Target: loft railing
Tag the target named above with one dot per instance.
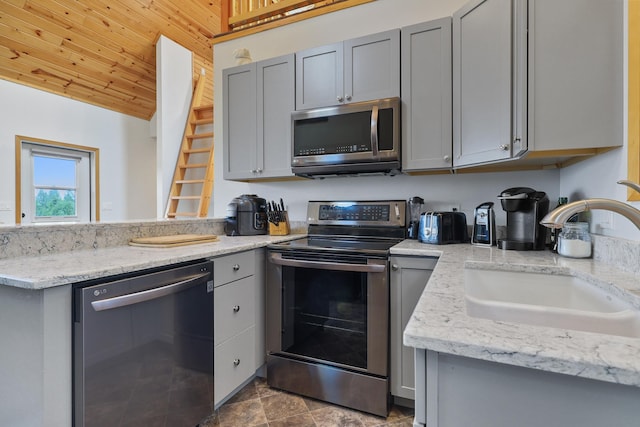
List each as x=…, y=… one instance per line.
x=241, y=14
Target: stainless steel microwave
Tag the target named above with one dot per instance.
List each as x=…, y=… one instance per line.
x=350, y=139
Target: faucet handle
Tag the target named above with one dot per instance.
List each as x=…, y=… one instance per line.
x=630, y=184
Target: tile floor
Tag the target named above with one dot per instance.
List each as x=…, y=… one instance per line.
x=258, y=405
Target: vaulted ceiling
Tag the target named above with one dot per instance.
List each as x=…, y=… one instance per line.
x=101, y=51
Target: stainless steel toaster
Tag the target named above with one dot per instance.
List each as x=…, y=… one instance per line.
x=441, y=228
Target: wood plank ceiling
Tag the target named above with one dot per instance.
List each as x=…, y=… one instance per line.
x=102, y=51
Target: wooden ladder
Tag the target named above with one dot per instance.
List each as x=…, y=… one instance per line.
x=194, y=168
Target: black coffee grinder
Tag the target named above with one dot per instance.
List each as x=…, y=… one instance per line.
x=525, y=208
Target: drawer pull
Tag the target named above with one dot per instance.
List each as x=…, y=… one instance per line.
x=236, y=308
x=236, y=362
x=236, y=267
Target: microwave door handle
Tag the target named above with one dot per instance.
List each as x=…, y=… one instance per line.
x=374, y=132
x=277, y=259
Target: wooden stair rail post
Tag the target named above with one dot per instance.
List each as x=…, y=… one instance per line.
x=194, y=119
x=225, y=13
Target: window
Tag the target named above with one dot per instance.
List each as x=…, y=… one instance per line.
x=55, y=182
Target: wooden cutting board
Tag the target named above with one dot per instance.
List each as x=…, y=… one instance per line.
x=173, y=241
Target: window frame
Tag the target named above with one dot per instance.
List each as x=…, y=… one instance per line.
x=633, y=100
x=94, y=171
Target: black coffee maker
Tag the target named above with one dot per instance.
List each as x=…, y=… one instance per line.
x=525, y=208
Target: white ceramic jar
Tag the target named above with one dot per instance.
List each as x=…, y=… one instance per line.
x=574, y=241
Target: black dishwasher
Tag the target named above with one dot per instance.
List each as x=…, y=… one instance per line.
x=143, y=348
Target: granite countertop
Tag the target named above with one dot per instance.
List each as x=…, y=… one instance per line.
x=45, y=271
x=440, y=322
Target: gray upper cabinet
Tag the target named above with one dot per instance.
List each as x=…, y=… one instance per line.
x=551, y=94
x=276, y=100
x=258, y=101
x=488, y=85
x=576, y=74
x=239, y=115
x=355, y=70
x=426, y=96
x=319, y=76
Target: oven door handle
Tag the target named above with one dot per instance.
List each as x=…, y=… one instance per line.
x=148, y=295
x=276, y=258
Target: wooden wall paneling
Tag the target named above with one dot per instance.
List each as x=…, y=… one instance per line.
x=82, y=40
x=69, y=61
x=200, y=62
x=178, y=27
x=44, y=80
x=46, y=44
x=78, y=20
x=73, y=92
x=104, y=27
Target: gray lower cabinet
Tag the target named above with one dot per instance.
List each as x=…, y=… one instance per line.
x=537, y=77
x=258, y=100
x=36, y=368
x=354, y=70
x=409, y=276
x=238, y=321
x=426, y=96
x=454, y=391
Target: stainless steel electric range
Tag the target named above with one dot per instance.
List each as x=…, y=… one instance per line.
x=328, y=304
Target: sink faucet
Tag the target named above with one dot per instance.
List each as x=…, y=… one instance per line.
x=557, y=217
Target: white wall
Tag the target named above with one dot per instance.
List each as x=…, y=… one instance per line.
x=174, y=89
x=127, y=154
x=468, y=190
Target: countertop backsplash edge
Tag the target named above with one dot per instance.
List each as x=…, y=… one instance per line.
x=48, y=239
x=616, y=252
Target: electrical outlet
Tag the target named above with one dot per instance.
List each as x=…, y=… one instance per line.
x=606, y=220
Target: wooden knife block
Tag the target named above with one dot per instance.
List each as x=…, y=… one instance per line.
x=282, y=229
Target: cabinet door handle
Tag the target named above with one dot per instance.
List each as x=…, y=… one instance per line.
x=394, y=267
x=348, y=97
x=236, y=308
x=259, y=170
x=236, y=362
x=447, y=158
x=236, y=267
x=339, y=98
x=504, y=147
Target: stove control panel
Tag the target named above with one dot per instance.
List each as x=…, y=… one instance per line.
x=354, y=213
x=386, y=213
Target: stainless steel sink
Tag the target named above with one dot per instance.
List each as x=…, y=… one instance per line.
x=559, y=301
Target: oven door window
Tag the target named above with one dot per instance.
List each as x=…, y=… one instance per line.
x=324, y=315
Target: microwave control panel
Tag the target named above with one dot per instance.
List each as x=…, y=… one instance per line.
x=339, y=149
